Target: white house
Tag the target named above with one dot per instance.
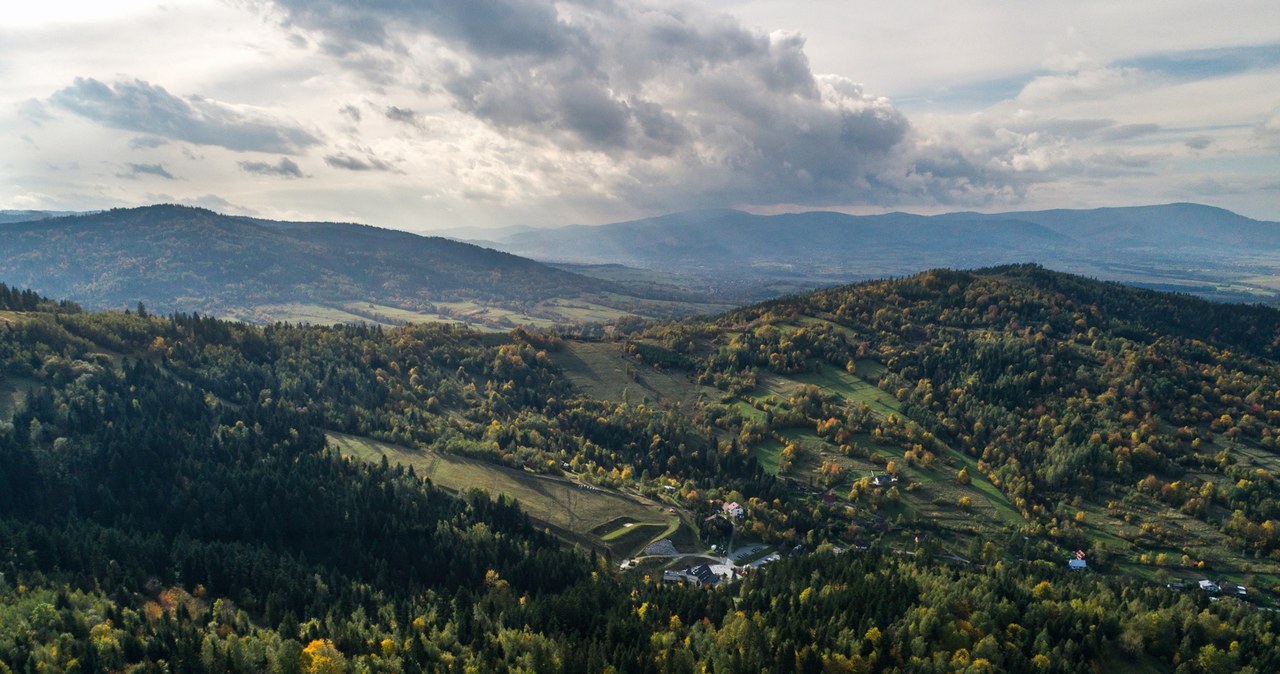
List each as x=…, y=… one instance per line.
x=733, y=509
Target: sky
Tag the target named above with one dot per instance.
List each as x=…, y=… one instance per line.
x=431, y=115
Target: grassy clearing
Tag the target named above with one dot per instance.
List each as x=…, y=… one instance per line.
x=818, y=320
x=614, y=524
x=297, y=312
x=748, y=412
x=626, y=541
x=387, y=315
x=554, y=501
x=492, y=316
x=13, y=392
x=852, y=388
x=979, y=483
x=600, y=370
x=769, y=454
x=868, y=369
x=664, y=307
x=1248, y=455
x=943, y=492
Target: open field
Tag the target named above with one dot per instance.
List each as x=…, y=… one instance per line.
x=554, y=501
x=582, y=311
x=601, y=370
x=769, y=453
x=296, y=312
x=853, y=388
x=478, y=315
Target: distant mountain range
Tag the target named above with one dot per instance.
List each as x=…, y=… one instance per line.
x=178, y=258
x=24, y=216
x=192, y=259
x=1189, y=247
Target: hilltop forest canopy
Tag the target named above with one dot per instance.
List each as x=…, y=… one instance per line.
x=168, y=501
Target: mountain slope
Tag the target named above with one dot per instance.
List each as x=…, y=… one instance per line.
x=181, y=258
x=1138, y=426
x=193, y=516
x=1168, y=227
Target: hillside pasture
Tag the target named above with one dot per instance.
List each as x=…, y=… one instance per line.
x=297, y=312
x=601, y=370
x=554, y=501
x=852, y=388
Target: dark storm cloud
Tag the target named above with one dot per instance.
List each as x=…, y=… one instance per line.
x=137, y=170
x=285, y=168
x=492, y=28
x=146, y=108
x=684, y=100
x=349, y=163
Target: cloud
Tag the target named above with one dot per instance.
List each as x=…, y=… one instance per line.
x=137, y=170
x=1082, y=85
x=146, y=143
x=492, y=28
x=286, y=168
x=1128, y=131
x=140, y=106
x=347, y=162
x=350, y=111
x=1269, y=129
x=1199, y=142
x=676, y=95
x=403, y=115
x=34, y=111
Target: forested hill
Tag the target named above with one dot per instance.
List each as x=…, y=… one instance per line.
x=176, y=258
x=174, y=496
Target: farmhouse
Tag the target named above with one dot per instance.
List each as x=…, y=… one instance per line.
x=733, y=509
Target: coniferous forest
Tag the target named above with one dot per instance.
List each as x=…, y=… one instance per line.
x=171, y=500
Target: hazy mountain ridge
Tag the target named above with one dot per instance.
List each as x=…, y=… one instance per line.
x=183, y=258
x=7, y=216
x=1191, y=247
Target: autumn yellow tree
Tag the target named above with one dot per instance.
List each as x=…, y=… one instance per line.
x=322, y=657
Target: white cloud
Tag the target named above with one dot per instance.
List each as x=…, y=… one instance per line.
x=147, y=108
